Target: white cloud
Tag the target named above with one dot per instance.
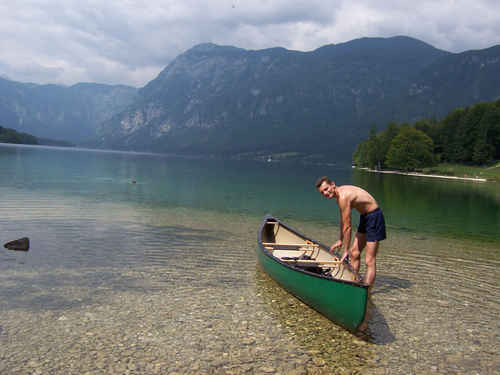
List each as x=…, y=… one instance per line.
x=131, y=41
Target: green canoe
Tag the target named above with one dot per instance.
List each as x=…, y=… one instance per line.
x=307, y=269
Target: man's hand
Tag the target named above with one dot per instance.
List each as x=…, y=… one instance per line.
x=336, y=245
x=346, y=253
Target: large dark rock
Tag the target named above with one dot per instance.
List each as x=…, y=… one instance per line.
x=22, y=244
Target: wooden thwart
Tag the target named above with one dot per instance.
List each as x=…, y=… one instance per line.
x=290, y=244
x=309, y=261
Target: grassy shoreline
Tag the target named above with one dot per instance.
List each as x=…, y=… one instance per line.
x=490, y=173
x=453, y=171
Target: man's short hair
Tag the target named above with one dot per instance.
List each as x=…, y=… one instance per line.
x=320, y=180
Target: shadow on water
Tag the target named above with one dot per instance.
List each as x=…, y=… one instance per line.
x=378, y=331
x=306, y=323
x=386, y=284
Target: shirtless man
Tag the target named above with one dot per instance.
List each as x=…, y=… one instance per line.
x=371, y=227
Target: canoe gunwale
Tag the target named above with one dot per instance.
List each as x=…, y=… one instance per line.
x=290, y=265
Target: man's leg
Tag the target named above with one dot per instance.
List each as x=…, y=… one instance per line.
x=356, y=249
x=371, y=265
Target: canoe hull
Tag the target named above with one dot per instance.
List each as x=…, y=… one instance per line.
x=341, y=301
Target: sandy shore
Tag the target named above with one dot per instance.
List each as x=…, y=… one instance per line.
x=415, y=174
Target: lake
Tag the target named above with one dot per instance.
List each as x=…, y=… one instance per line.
x=146, y=264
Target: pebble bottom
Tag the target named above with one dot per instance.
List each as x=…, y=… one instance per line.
x=214, y=311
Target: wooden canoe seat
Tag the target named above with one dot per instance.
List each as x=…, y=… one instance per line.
x=312, y=261
x=277, y=244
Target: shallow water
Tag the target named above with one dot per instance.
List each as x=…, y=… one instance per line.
x=118, y=280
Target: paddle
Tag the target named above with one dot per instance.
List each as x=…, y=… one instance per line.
x=22, y=244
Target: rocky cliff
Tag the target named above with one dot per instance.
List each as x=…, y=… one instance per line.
x=219, y=99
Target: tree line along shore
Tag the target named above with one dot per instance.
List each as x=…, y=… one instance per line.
x=8, y=135
x=12, y=136
x=466, y=144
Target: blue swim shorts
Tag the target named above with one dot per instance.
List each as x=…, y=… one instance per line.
x=373, y=224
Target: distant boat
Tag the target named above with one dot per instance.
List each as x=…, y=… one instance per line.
x=309, y=271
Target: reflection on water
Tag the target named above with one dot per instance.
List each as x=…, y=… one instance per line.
x=452, y=208
x=161, y=276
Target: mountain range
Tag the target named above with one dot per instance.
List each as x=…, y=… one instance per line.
x=225, y=100
x=59, y=112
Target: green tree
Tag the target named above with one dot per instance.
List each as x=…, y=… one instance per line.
x=430, y=128
x=374, y=155
x=411, y=149
x=386, y=138
x=487, y=139
x=368, y=152
x=470, y=136
x=491, y=121
x=11, y=136
x=447, y=140
x=357, y=156
x=360, y=156
x=483, y=152
x=468, y=132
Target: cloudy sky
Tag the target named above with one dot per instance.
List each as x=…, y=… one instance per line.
x=131, y=41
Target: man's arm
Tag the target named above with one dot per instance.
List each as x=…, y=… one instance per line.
x=345, y=227
x=338, y=244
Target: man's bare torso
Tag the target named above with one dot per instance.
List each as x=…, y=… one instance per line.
x=357, y=198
